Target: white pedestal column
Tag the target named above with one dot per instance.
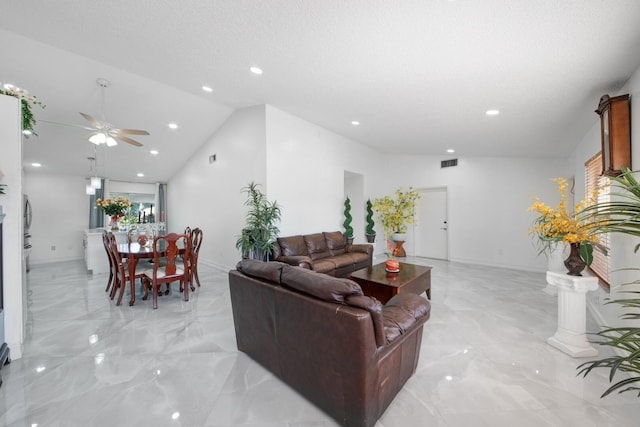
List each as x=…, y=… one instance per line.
x=572, y=313
x=555, y=261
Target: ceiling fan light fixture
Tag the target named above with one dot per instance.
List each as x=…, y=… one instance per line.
x=98, y=138
x=111, y=142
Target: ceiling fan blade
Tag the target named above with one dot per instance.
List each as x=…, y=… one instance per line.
x=96, y=124
x=131, y=131
x=65, y=124
x=127, y=139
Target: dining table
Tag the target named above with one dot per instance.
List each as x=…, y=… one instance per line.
x=134, y=252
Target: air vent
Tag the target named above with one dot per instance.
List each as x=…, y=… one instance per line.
x=449, y=163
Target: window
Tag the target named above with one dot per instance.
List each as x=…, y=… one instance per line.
x=142, y=207
x=594, y=180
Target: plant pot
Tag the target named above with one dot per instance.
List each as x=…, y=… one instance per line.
x=574, y=263
x=349, y=240
x=371, y=238
x=399, y=237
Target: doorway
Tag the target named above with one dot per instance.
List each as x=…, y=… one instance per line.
x=431, y=227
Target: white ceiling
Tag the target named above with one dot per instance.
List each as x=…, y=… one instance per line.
x=417, y=74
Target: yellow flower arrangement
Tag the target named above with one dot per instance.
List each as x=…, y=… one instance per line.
x=396, y=214
x=558, y=225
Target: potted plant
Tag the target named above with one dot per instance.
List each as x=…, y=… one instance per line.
x=115, y=208
x=396, y=213
x=257, y=237
x=557, y=225
x=348, y=230
x=620, y=215
x=370, y=232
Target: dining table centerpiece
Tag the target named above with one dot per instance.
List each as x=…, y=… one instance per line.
x=115, y=208
x=555, y=226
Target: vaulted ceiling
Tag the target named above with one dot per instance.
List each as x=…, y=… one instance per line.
x=417, y=74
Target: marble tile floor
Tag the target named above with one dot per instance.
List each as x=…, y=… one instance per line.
x=484, y=360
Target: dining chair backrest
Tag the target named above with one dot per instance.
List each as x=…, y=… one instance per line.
x=107, y=248
x=146, y=230
x=168, y=247
x=196, y=242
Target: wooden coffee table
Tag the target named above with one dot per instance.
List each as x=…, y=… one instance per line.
x=376, y=282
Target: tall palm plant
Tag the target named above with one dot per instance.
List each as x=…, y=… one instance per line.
x=621, y=215
x=257, y=237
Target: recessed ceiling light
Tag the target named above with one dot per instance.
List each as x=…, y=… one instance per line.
x=154, y=152
x=451, y=150
x=355, y=123
x=36, y=165
x=173, y=126
x=140, y=174
x=207, y=88
x=256, y=70
x=492, y=112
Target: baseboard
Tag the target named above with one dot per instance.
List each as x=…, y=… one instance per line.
x=221, y=267
x=527, y=268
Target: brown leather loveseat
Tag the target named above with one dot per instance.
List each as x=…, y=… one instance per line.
x=326, y=253
x=343, y=351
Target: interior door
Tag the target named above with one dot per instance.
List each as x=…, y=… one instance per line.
x=431, y=228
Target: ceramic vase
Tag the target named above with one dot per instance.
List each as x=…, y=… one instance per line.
x=574, y=263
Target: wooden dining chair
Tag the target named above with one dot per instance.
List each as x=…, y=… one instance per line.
x=196, y=242
x=166, y=251
x=107, y=248
x=121, y=271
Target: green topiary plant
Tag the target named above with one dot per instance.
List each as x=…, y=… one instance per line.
x=371, y=232
x=348, y=230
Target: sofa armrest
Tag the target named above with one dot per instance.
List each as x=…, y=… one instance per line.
x=364, y=248
x=374, y=307
x=296, y=260
x=403, y=313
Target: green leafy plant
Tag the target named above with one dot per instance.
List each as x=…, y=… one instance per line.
x=257, y=237
x=2, y=188
x=620, y=215
x=348, y=230
x=26, y=101
x=370, y=224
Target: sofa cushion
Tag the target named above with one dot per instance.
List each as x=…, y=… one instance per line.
x=336, y=242
x=316, y=246
x=402, y=312
x=271, y=271
x=293, y=245
x=324, y=265
x=319, y=285
x=344, y=260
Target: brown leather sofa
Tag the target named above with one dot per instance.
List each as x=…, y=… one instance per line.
x=343, y=351
x=326, y=253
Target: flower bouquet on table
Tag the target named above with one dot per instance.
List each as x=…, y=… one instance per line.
x=115, y=208
x=559, y=226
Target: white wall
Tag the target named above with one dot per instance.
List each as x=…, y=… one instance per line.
x=11, y=201
x=622, y=254
x=209, y=196
x=487, y=203
x=305, y=173
x=60, y=216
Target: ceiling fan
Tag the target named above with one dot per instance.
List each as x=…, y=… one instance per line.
x=104, y=132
